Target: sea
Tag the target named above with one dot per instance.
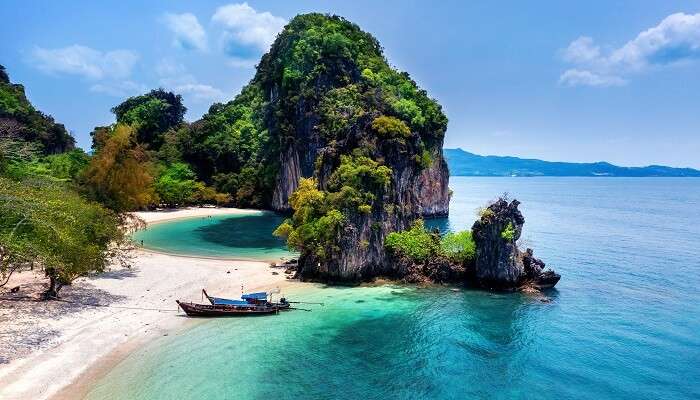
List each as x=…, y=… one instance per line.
x=623, y=322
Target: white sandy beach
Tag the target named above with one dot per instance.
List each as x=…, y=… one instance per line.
x=55, y=349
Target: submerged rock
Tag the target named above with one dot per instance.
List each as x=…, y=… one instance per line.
x=499, y=263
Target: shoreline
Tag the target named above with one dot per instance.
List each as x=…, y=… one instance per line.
x=86, y=342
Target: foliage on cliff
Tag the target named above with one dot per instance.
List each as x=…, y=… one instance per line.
x=320, y=215
x=330, y=94
x=25, y=129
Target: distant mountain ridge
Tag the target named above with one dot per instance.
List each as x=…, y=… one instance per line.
x=464, y=163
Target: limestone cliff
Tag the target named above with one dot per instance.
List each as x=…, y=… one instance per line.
x=338, y=113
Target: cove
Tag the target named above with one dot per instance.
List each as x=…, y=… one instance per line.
x=239, y=236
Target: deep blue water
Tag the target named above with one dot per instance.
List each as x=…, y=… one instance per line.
x=623, y=321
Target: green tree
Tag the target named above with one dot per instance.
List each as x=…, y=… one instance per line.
x=45, y=223
x=120, y=175
x=152, y=115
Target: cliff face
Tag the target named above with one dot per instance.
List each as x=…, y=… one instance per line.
x=430, y=188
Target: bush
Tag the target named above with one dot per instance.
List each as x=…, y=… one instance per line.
x=416, y=243
x=120, y=175
x=390, y=127
x=508, y=233
x=420, y=245
x=458, y=246
x=315, y=225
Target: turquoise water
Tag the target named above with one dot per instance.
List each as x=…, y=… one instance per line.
x=622, y=323
x=241, y=236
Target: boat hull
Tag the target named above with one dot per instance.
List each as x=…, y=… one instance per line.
x=210, y=310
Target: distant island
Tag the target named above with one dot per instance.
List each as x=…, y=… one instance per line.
x=464, y=163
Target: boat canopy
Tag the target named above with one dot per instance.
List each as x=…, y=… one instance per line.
x=255, y=296
x=218, y=300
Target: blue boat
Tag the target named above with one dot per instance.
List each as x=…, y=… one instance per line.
x=247, y=299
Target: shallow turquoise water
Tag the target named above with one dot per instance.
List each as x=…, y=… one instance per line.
x=623, y=321
x=244, y=236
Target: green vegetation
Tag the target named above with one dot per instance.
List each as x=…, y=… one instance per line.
x=416, y=243
x=45, y=223
x=419, y=245
x=390, y=127
x=176, y=186
x=151, y=115
x=315, y=225
x=319, y=215
x=61, y=167
x=231, y=149
x=458, y=246
x=24, y=126
x=508, y=232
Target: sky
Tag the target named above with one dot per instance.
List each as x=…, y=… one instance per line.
x=598, y=80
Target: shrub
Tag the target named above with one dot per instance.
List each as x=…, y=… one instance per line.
x=390, y=127
x=509, y=232
x=458, y=246
x=416, y=243
x=420, y=245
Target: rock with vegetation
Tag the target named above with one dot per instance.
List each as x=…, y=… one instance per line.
x=25, y=131
x=499, y=264
x=357, y=147
x=423, y=256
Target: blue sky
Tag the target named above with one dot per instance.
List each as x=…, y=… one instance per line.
x=598, y=80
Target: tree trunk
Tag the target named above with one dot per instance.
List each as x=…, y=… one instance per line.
x=54, y=287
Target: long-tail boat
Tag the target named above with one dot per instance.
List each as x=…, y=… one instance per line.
x=258, y=298
x=224, y=310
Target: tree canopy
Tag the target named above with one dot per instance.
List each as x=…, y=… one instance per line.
x=151, y=114
x=21, y=122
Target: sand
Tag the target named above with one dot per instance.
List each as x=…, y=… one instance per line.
x=56, y=349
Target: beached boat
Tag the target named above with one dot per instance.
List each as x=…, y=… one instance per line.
x=224, y=310
x=258, y=298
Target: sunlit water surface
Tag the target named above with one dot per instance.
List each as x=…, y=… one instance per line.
x=623, y=322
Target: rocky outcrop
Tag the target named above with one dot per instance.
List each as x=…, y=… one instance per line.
x=499, y=263
x=360, y=254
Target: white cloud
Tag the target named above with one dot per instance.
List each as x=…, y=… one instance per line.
x=245, y=26
x=582, y=50
x=119, y=89
x=578, y=77
x=174, y=77
x=189, y=34
x=84, y=61
x=675, y=40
